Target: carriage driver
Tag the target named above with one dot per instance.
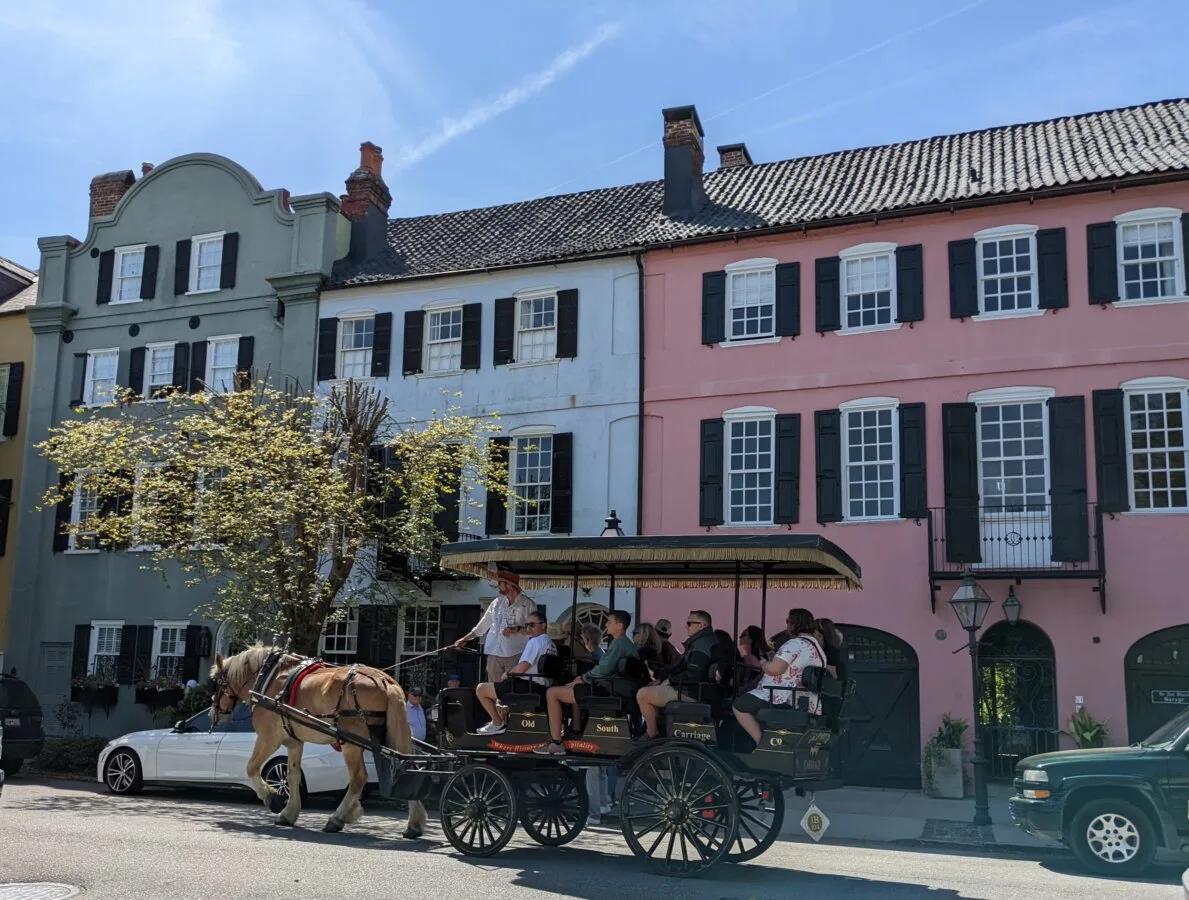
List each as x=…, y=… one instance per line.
x=489, y=693
x=503, y=625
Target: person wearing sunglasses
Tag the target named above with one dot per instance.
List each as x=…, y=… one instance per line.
x=691, y=668
x=490, y=693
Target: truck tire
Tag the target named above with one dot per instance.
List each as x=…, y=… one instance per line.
x=1112, y=837
x=11, y=766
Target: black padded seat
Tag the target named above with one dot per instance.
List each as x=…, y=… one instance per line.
x=784, y=716
x=685, y=711
x=526, y=701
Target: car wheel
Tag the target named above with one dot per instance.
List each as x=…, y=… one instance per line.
x=1113, y=837
x=11, y=766
x=276, y=776
x=122, y=773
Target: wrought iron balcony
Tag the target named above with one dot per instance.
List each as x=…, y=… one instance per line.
x=1036, y=541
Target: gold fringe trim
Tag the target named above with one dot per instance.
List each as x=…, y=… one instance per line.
x=810, y=583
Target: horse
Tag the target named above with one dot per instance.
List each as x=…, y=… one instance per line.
x=347, y=695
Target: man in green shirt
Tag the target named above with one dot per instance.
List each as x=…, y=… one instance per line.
x=621, y=646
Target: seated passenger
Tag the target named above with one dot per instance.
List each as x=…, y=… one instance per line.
x=753, y=650
x=592, y=637
x=621, y=646
x=648, y=645
x=784, y=672
x=669, y=654
x=693, y=667
x=489, y=693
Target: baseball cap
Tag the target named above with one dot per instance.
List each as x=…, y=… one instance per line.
x=415, y=691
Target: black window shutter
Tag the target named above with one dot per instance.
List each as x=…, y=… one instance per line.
x=62, y=516
x=827, y=428
x=194, y=636
x=181, y=365
x=562, y=503
x=714, y=307
x=827, y=294
x=81, y=653
x=788, y=299
x=472, y=335
x=365, y=632
x=504, y=339
x=5, y=512
x=1051, y=276
x=414, y=336
x=910, y=283
x=914, y=502
x=80, y=378
x=1185, y=249
x=446, y=518
x=142, y=659
x=328, y=338
x=136, y=370
x=959, y=438
x=1110, y=451
x=710, y=477
x=787, y=508
x=197, y=366
x=181, y=267
x=124, y=662
x=567, y=324
x=382, y=345
x=1067, y=489
x=230, y=260
x=963, y=278
x=1102, y=262
x=107, y=262
x=12, y=399
x=148, y=274
x=497, y=506
x=243, y=362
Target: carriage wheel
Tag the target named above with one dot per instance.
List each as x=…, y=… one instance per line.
x=761, y=813
x=478, y=810
x=553, y=810
x=678, y=810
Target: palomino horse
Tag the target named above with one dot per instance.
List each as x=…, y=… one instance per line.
x=348, y=696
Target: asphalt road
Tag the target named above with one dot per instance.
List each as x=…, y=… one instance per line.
x=199, y=845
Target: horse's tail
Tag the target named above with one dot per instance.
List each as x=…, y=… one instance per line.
x=396, y=720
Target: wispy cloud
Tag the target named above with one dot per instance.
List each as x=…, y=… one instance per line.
x=454, y=127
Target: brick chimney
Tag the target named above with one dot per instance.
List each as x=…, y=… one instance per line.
x=684, y=157
x=365, y=186
x=106, y=191
x=732, y=156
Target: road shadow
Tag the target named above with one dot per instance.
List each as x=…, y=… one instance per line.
x=1161, y=873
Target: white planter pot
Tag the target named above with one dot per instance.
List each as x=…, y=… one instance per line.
x=947, y=776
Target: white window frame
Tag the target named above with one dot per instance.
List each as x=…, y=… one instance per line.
x=120, y=253
x=354, y=316
x=526, y=297
x=72, y=545
x=528, y=432
x=1007, y=395
x=158, y=626
x=5, y=372
x=93, y=648
x=861, y=251
x=146, y=385
x=351, y=620
x=870, y=404
x=195, y=241
x=432, y=638
x=747, y=267
x=209, y=374
x=137, y=546
x=1152, y=215
x=89, y=380
x=747, y=414
x=999, y=233
x=427, y=342
x=1153, y=385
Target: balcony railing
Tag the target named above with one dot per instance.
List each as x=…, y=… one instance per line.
x=1035, y=541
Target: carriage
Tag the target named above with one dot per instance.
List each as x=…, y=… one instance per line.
x=700, y=793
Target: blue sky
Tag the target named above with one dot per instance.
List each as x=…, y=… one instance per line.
x=477, y=103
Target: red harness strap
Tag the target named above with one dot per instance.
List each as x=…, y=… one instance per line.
x=300, y=677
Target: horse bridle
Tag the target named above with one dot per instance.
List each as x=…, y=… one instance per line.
x=223, y=687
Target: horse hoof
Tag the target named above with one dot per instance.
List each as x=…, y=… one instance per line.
x=412, y=833
x=275, y=803
x=281, y=820
x=332, y=825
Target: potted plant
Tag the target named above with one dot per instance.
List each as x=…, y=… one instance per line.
x=159, y=691
x=95, y=690
x=941, y=761
x=1086, y=731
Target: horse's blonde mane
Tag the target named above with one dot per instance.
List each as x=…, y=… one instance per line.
x=244, y=664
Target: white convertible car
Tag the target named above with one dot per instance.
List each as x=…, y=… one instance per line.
x=193, y=753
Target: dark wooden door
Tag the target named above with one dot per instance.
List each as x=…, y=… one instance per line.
x=1157, y=679
x=455, y=622
x=882, y=743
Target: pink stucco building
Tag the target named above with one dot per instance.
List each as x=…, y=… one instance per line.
x=966, y=352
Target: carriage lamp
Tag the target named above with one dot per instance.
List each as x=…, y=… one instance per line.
x=970, y=604
x=1012, y=607
x=611, y=526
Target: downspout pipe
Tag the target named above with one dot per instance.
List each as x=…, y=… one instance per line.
x=639, y=406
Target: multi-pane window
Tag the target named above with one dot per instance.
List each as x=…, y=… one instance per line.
x=1148, y=259
x=751, y=304
x=443, y=340
x=1156, y=428
x=340, y=637
x=169, y=651
x=356, y=338
x=870, y=454
x=419, y=633
x=206, y=262
x=222, y=357
x=158, y=370
x=128, y=269
x=84, y=508
x=532, y=484
x=1007, y=273
x=749, y=471
x=536, y=328
x=100, y=383
x=105, y=649
x=1012, y=456
x=868, y=291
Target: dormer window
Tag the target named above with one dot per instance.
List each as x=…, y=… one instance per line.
x=128, y=272
x=206, y=262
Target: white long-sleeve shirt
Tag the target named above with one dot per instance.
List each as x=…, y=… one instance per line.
x=501, y=614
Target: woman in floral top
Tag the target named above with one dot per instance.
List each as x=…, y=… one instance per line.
x=784, y=672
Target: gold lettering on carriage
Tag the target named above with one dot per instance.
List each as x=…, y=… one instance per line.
x=607, y=729
x=528, y=723
x=692, y=735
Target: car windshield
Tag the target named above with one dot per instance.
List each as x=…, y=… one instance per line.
x=200, y=722
x=1168, y=732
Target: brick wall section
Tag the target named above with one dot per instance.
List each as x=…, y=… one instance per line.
x=683, y=128
x=731, y=156
x=106, y=191
x=365, y=185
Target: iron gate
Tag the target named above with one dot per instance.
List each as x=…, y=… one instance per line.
x=1157, y=679
x=1017, y=712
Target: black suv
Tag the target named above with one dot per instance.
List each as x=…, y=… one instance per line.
x=1113, y=807
x=20, y=716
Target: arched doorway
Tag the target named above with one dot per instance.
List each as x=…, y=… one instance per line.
x=1156, y=673
x=586, y=614
x=882, y=746
x=1017, y=712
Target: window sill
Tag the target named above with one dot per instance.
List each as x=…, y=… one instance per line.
x=125, y=302
x=748, y=525
x=996, y=316
x=144, y=548
x=1151, y=301
x=751, y=342
x=446, y=373
x=79, y=551
x=871, y=329
x=339, y=382
x=1155, y=512
x=197, y=293
x=532, y=364
x=873, y=520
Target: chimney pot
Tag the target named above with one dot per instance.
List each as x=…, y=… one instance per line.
x=107, y=189
x=365, y=186
x=684, y=158
x=146, y=168
x=732, y=156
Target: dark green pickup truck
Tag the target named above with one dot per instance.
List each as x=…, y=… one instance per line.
x=1112, y=807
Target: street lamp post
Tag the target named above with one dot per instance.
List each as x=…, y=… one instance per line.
x=970, y=604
